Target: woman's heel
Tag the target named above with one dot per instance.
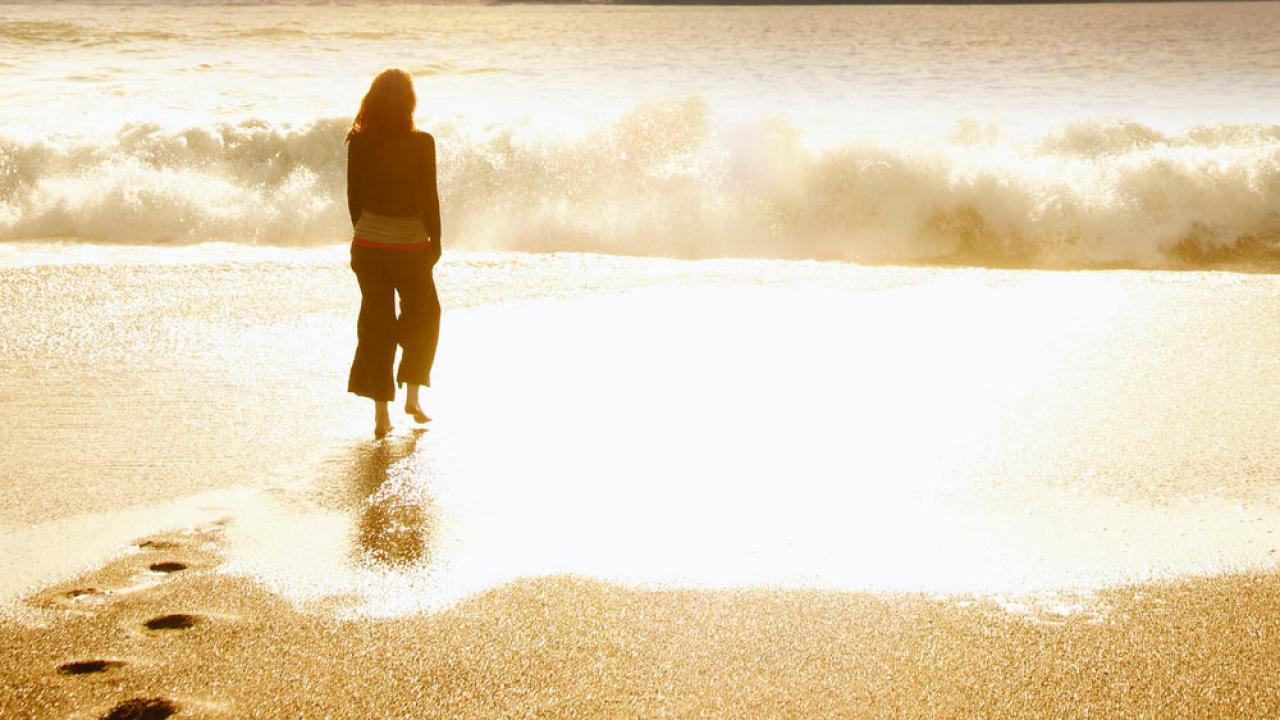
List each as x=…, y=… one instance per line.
x=416, y=412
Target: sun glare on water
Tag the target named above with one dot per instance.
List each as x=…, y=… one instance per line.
x=962, y=432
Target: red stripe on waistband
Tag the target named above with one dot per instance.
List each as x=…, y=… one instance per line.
x=391, y=246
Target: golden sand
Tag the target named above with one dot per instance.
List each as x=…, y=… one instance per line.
x=223, y=646
x=954, y=431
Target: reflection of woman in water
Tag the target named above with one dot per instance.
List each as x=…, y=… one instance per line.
x=395, y=209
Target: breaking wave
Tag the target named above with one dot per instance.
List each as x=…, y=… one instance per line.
x=666, y=180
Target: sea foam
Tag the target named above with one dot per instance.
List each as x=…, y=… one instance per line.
x=668, y=180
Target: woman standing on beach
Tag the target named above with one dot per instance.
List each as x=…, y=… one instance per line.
x=395, y=212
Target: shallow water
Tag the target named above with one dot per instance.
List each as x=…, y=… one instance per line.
x=655, y=422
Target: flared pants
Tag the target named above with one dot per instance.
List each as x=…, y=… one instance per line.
x=382, y=273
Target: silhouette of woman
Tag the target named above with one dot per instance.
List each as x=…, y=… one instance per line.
x=395, y=213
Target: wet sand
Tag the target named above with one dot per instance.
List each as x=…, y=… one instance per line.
x=162, y=629
x=652, y=488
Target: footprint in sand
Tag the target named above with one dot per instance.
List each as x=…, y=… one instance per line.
x=86, y=667
x=85, y=593
x=156, y=544
x=142, y=709
x=97, y=595
x=191, y=538
x=172, y=621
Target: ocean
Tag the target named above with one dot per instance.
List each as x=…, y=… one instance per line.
x=1140, y=135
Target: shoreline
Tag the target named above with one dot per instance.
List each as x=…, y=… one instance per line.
x=34, y=253
x=943, y=430
x=224, y=646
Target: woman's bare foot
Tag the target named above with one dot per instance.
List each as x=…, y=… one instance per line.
x=417, y=413
x=381, y=420
x=411, y=406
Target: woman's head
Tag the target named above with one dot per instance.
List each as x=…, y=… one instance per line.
x=387, y=109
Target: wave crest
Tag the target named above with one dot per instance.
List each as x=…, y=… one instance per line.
x=665, y=180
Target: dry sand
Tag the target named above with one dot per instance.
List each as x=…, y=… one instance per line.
x=571, y=647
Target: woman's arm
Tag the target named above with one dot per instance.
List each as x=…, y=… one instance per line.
x=431, y=199
x=355, y=189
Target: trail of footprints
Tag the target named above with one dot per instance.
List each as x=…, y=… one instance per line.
x=137, y=708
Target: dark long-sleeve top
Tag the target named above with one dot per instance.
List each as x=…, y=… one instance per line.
x=395, y=176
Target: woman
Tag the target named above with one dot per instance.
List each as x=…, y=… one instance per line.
x=395, y=212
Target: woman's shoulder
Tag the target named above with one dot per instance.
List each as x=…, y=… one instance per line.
x=424, y=137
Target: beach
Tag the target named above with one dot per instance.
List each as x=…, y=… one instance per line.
x=574, y=647
x=609, y=530
x=795, y=362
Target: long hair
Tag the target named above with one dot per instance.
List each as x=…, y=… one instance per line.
x=387, y=109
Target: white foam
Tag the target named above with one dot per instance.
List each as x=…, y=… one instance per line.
x=667, y=180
